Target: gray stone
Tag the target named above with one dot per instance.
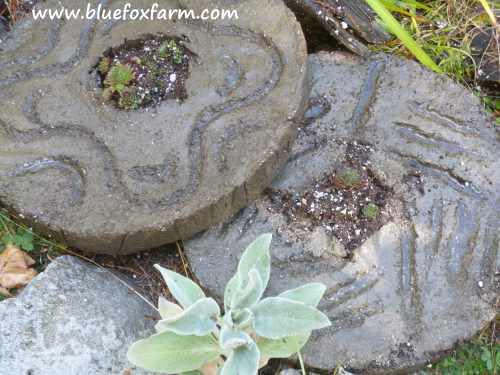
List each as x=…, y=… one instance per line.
x=68, y=161
x=73, y=319
x=427, y=279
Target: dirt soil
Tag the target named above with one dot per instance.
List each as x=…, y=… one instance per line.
x=138, y=270
x=160, y=66
x=350, y=204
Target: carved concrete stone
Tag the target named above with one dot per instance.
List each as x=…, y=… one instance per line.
x=113, y=181
x=429, y=277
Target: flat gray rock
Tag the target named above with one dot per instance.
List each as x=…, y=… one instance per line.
x=106, y=180
x=426, y=279
x=73, y=319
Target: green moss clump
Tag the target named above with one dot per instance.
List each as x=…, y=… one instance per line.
x=371, y=211
x=172, y=50
x=348, y=178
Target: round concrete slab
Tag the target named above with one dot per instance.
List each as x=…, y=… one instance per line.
x=113, y=181
x=427, y=279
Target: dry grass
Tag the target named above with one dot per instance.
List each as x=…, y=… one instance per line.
x=9, y=9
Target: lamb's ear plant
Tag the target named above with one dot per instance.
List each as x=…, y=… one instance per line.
x=195, y=337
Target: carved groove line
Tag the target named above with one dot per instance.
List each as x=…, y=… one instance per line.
x=437, y=228
x=52, y=40
x=64, y=164
x=56, y=69
x=490, y=266
x=351, y=318
x=367, y=96
x=349, y=291
x=447, y=175
x=156, y=174
x=448, y=122
x=411, y=303
x=463, y=243
x=414, y=134
x=308, y=149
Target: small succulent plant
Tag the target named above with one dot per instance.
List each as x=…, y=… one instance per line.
x=119, y=77
x=104, y=65
x=172, y=50
x=348, y=178
x=195, y=337
x=129, y=98
x=117, y=81
x=370, y=211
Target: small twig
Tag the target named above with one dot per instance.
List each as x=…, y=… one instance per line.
x=121, y=268
x=183, y=260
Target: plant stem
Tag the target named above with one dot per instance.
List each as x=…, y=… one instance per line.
x=301, y=361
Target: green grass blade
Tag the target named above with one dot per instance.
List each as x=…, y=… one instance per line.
x=394, y=27
x=489, y=12
x=408, y=4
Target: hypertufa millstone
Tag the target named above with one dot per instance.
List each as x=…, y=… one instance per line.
x=426, y=279
x=115, y=181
